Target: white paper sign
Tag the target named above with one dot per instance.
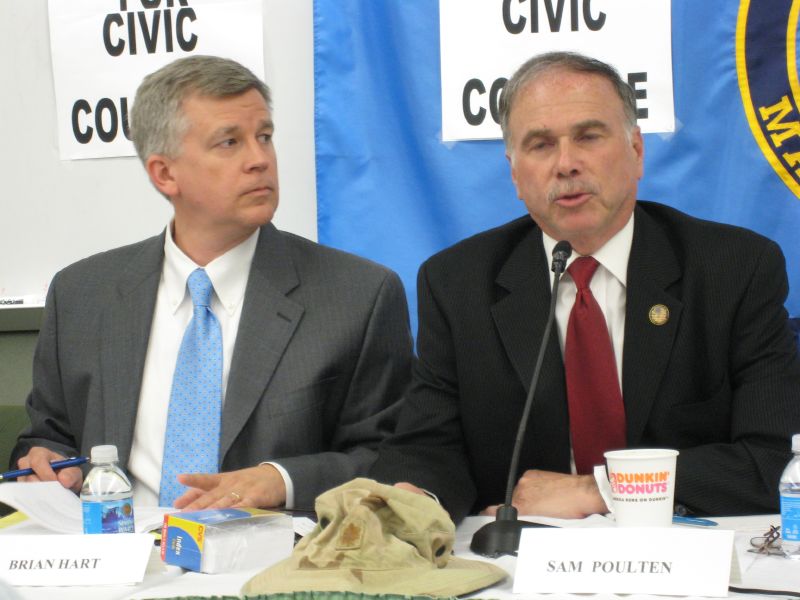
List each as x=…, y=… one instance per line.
x=41, y=560
x=667, y=561
x=102, y=49
x=482, y=44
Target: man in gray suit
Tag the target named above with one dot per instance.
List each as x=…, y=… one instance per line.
x=316, y=348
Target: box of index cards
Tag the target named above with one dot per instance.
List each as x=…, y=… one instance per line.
x=223, y=540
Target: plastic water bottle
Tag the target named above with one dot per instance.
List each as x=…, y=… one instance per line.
x=790, y=503
x=107, y=495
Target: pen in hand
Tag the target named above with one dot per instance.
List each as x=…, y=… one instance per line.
x=55, y=465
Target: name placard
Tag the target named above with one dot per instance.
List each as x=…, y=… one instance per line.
x=40, y=560
x=667, y=561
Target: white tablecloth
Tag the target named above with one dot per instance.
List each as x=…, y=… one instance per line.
x=163, y=581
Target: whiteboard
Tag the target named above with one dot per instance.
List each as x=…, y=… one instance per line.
x=54, y=212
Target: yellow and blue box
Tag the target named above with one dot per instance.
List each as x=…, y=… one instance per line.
x=229, y=539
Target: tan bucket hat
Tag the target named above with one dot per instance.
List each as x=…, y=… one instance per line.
x=377, y=539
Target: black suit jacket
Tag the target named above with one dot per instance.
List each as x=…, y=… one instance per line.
x=720, y=381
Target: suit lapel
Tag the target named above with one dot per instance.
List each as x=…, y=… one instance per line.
x=125, y=333
x=268, y=322
x=520, y=318
x=652, y=268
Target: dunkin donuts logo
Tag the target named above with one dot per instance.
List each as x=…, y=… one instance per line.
x=639, y=484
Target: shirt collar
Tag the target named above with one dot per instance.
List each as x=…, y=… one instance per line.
x=228, y=273
x=613, y=255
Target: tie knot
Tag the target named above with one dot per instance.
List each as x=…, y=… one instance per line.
x=582, y=270
x=200, y=287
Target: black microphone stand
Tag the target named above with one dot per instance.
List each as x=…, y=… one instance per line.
x=502, y=535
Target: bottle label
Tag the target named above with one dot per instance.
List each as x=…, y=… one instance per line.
x=790, y=518
x=111, y=516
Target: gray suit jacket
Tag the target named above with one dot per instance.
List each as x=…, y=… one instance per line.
x=322, y=358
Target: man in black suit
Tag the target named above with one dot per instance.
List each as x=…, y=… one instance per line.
x=704, y=357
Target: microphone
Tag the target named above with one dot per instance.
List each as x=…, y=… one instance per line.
x=502, y=535
x=561, y=254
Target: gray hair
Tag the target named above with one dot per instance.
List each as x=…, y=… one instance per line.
x=157, y=122
x=567, y=61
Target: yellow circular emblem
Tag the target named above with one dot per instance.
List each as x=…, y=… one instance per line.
x=659, y=314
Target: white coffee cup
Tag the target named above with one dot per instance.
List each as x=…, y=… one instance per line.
x=642, y=486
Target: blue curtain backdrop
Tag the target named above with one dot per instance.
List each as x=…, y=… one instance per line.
x=390, y=190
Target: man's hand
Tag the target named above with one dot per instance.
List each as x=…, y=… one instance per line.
x=559, y=495
x=254, y=487
x=410, y=487
x=39, y=460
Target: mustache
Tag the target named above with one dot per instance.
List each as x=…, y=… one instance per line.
x=570, y=188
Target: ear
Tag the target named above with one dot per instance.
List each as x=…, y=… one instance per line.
x=159, y=168
x=510, y=159
x=637, y=142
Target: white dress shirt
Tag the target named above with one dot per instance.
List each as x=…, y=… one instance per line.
x=173, y=311
x=608, y=287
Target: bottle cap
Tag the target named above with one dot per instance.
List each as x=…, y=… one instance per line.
x=796, y=442
x=107, y=454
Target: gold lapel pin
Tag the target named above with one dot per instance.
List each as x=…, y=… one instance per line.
x=658, y=315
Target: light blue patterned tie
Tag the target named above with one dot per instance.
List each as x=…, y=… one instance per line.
x=191, y=444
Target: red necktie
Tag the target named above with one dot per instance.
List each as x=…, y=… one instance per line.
x=596, y=411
